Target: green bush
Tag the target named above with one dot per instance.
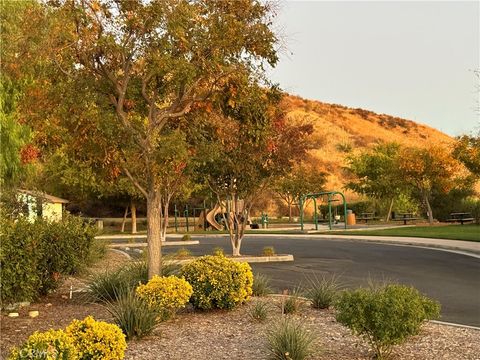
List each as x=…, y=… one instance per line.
x=323, y=291
x=385, y=316
x=33, y=255
x=289, y=340
x=97, y=340
x=261, y=285
x=218, y=282
x=268, y=251
x=133, y=315
x=182, y=253
x=48, y=345
x=218, y=251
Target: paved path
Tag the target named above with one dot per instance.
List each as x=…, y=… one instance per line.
x=453, y=278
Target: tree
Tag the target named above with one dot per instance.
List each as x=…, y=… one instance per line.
x=426, y=169
x=375, y=173
x=467, y=150
x=144, y=65
x=248, y=148
x=303, y=179
x=17, y=151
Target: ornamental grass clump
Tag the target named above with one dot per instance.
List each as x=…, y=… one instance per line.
x=289, y=340
x=323, y=291
x=385, y=316
x=165, y=294
x=261, y=285
x=218, y=282
x=97, y=340
x=268, y=251
x=48, y=345
x=259, y=311
x=133, y=315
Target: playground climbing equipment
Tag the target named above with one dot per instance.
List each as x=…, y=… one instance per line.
x=330, y=199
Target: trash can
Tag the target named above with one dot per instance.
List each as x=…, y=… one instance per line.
x=351, y=218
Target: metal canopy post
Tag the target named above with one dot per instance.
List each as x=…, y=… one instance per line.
x=301, y=212
x=329, y=199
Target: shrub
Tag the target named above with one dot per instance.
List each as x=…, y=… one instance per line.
x=259, y=310
x=186, y=237
x=322, y=292
x=107, y=286
x=48, y=345
x=218, y=251
x=261, y=285
x=218, y=282
x=289, y=340
x=165, y=294
x=34, y=255
x=97, y=340
x=182, y=253
x=133, y=315
x=268, y=251
x=385, y=316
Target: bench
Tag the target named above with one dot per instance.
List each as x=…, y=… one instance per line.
x=405, y=217
x=367, y=216
x=460, y=217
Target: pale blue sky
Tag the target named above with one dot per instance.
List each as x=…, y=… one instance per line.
x=408, y=59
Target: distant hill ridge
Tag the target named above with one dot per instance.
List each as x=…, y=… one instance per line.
x=340, y=131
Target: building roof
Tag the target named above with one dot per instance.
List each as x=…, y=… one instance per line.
x=48, y=198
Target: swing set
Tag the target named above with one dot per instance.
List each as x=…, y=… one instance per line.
x=330, y=198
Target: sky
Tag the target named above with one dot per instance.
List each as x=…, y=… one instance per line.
x=413, y=59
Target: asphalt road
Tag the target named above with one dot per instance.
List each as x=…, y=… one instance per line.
x=452, y=279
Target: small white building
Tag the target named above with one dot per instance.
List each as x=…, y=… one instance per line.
x=40, y=204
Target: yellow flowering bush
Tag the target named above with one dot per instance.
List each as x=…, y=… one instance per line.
x=218, y=282
x=97, y=340
x=48, y=345
x=165, y=293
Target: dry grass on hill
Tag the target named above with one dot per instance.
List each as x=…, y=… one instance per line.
x=340, y=131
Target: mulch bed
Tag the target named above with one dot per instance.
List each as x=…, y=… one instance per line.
x=233, y=334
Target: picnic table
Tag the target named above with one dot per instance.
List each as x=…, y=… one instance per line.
x=405, y=217
x=367, y=216
x=460, y=217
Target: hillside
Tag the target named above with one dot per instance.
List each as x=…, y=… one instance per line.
x=340, y=131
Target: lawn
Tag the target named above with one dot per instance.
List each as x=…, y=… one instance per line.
x=469, y=232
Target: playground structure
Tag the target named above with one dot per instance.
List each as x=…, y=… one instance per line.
x=215, y=217
x=330, y=199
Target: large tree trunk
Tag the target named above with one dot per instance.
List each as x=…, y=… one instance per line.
x=429, y=209
x=154, y=233
x=133, y=208
x=124, y=219
x=390, y=210
x=290, y=211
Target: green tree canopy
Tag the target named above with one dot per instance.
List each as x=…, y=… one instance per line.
x=118, y=77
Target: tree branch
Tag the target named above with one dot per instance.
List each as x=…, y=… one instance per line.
x=135, y=182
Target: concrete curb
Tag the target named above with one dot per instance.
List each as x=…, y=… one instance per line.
x=249, y=259
x=144, y=244
x=455, y=325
